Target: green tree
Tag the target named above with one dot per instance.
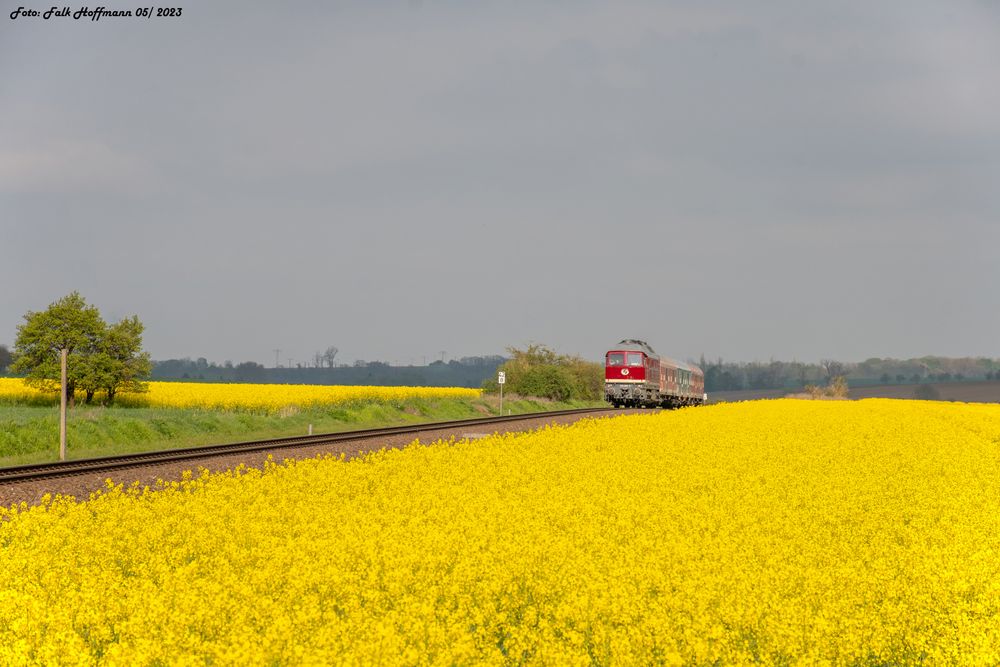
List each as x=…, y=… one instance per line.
x=6, y=358
x=588, y=375
x=250, y=371
x=118, y=363
x=123, y=344
x=546, y=381
x=539, y=371
x=101, y=357
x=71, y=324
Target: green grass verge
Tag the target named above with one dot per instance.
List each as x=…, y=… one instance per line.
x=30, y=434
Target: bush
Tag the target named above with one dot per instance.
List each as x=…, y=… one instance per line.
x=546, y=382
x=836, y=389
x=539, y=371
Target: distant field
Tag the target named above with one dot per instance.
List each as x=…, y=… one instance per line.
x=241, y=397
x=964, y=392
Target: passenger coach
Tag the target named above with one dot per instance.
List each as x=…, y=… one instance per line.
x=636, y=376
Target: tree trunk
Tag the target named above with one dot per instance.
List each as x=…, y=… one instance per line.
x=90, y=396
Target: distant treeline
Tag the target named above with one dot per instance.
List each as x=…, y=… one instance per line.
x=464, y=372
x=473, y=371
x=733, y=376
x=6, y=358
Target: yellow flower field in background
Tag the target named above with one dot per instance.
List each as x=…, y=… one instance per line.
x=776, y=532
x=13, y=390
x=270, y=397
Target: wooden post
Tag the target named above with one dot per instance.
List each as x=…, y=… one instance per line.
x=62, y=409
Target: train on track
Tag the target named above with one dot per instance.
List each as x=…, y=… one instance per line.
x=636, y=376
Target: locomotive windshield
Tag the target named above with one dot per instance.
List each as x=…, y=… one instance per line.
x=616, y=359
x=635, y=358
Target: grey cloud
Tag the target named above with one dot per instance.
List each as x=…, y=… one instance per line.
x=404, y=178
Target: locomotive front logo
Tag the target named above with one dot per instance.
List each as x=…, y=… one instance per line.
x=636, y=376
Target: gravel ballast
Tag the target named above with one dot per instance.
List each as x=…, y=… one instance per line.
x=81, y=486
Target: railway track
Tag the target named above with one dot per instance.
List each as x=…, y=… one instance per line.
x=43, y=471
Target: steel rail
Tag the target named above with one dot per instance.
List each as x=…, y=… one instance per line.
x=38, y=471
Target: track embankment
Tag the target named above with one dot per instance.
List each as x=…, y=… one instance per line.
x=80, y=478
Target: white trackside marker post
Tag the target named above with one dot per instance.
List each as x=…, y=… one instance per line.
x=62, y=404
x=501, y=378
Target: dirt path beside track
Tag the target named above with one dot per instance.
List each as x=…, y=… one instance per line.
x=81, y=486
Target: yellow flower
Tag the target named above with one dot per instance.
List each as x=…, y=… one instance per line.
x=769, y=532
x=273, y=398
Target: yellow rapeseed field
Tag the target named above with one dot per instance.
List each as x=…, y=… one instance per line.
x=267, y=397
x=13, y=390
x=778, y=532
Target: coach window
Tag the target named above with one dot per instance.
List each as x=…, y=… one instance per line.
x=635, y=358
x=616, y=359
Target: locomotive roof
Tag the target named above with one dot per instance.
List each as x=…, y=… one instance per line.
x=632, y=344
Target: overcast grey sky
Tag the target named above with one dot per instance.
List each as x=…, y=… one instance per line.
x=745, y=180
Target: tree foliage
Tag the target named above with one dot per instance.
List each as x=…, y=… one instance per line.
x=101, y=357
x=539, y=371
x=69, y=323
x=118, y=364
x=6, y=358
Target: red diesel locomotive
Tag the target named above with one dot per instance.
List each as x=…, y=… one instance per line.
x=636, y=376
